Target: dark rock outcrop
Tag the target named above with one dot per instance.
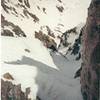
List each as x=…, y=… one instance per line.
x=20, y=1
x=60, y=8
x=16, y=30
x=8, y=76
x=65, y=36
x=50, y=33
x=44, y=10
x=27, y=50
x=27, y=3
x=46, y=40
x=33, y=16
x=90, y=74
x=10, y=91
x=4, y=6
x=73, y=47
x=7, y=33
x=60, y=1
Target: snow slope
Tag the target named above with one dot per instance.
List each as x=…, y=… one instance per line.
x=75, y=12
x=51, y=78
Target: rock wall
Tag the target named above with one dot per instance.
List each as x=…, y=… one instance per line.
x=90, y=74
x=11, y=91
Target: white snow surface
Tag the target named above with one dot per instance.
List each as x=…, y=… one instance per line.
x=49, y=77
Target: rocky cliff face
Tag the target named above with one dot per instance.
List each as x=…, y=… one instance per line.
x=10, y=91
x=91, y=53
